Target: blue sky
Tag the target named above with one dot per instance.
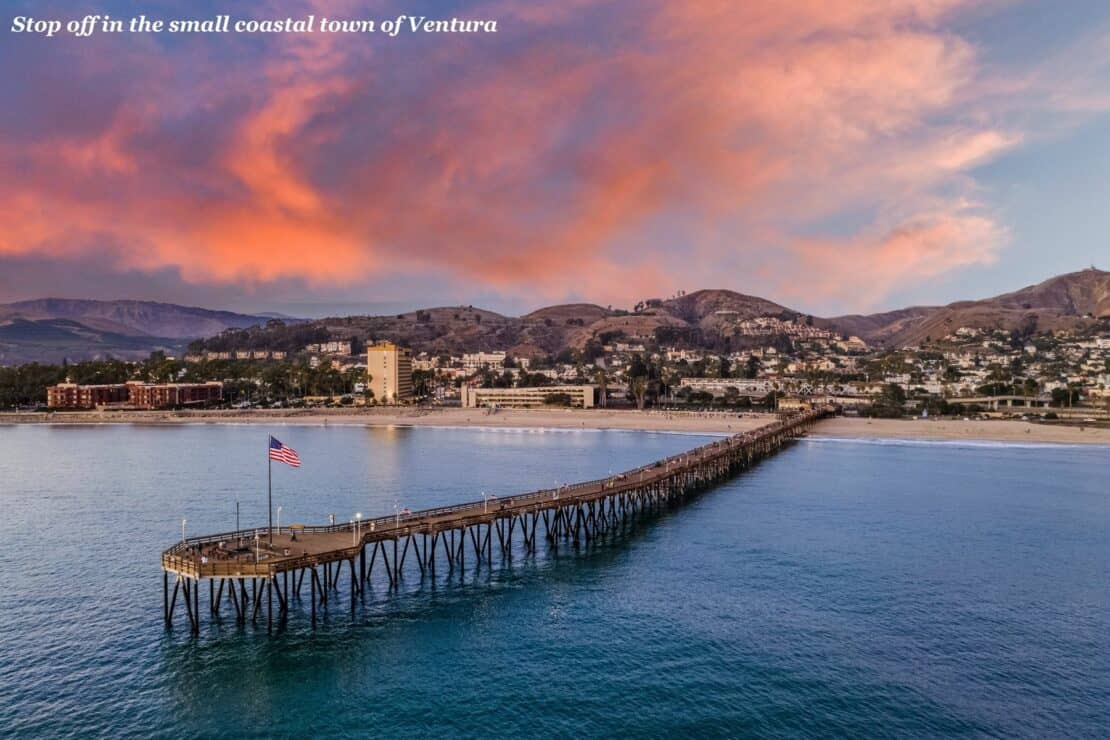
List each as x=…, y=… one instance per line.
x=836, y=157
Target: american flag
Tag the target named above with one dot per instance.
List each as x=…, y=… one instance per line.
x=284, y=454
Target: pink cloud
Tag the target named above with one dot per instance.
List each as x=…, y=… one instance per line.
x=930, y=245
x=529, y=162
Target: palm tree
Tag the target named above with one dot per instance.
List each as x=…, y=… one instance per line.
x=602, y=386
x=639, y=386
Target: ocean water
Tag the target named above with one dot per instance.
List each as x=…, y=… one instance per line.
x=849, y=588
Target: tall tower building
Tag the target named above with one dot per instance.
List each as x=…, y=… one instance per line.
x=390, y=371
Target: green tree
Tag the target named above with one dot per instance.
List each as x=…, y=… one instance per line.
x=752, y=367
x=890, y=401
x=532, y=380
x=637, y=367
x=423, y=383
x=602, y=380
x=638, y=387
x=1065, y=397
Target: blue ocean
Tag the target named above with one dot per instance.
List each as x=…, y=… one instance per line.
x=841, y=588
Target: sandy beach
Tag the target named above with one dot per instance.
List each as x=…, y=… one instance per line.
x=711, y=422
x=662, y=421
x=995, y=430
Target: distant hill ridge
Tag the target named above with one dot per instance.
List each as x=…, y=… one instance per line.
x=54, y=328
x=703, y=319
x=1058, y=303
x=142, y=318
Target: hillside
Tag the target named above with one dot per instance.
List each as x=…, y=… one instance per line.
x=137, y=318
x=1074, y=294
x=709, y=308
x=56, y=329
x=705, y=319
x=50, y=329
x=698, y=319
x=1068, y=301
x=55, y=340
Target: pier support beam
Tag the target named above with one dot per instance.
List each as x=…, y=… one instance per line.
x=312, y=593
x=576, y=514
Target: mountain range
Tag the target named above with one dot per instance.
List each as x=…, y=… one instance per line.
x=52, y=329
x=1067, y=301
x=56, y=329
x=705, y=319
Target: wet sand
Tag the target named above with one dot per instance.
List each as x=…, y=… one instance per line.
x=713, y=422
x=996, y=430
x=662, y=421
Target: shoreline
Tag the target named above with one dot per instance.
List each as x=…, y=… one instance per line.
x=958, y=430
x=994, y=430
x=592, y=419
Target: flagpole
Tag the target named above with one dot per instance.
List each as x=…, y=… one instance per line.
x=270, y=488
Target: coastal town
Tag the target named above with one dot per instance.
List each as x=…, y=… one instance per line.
x=788, y=365
x=528, y=369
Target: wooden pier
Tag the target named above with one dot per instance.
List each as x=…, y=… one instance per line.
x=248, y=577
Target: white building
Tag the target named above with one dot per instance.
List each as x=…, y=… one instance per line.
x=581, y=396
x=720, y=386
x=330, y=348
x=478, y=360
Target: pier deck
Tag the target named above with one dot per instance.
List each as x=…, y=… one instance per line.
x=574, y=512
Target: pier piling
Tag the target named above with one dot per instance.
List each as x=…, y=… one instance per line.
x=578, y=514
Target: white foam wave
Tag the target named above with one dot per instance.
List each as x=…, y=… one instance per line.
x=975, y=443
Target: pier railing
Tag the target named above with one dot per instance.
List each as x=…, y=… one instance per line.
x=185, y=558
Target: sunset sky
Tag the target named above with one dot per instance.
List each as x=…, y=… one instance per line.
x=833, y=155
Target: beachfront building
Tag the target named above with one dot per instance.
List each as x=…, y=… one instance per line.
x=719, y=386
x=133, y=394
x=169, y=395
x=580, y=396
x=794, y=405
x=389, y=368
x=74, y=396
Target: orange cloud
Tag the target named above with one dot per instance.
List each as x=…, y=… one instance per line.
x=926, y=247
x=561, y=156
